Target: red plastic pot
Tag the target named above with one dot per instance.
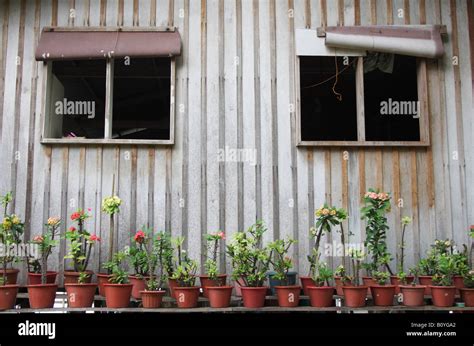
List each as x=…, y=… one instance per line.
x=8, y=296
x=413, y=295
x=354, y=296
x=443, y=296
x=187, y=297
x=394, y=280
x=152, y=299
x=338, y=282
x=219, y=296
x=321, y=297
x=42, y=296
x=458, y=281
x=254, y=297
x=117, y=295
x=71, y=277
x=35, y=278
x=80, y=295
x=172, y=284
x=139, y=285
x=426, y=280
x=207, y=282
x=288, y=296
x=368, y=281
x=306, y=281
x=12, y=276
x=383, y=294
x=467, y=296
x=101, y=280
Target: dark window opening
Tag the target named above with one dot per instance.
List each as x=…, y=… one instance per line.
x=141, y=102
x=77, y=104
x=323, y=116
x=391, y=98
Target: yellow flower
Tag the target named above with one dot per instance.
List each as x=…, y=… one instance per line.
x=325, y=211
x=333, y=212
x=53, y=221
x=6, y=224
x=15, y=220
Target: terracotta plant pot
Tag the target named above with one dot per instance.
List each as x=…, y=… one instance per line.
x=394, y=280
x=273, y=282
x=219, y=296
x=306, y=281
x=187, y=297
x=254, y=297
x=35, y=279
x=80, y=295
x=338, y=282
x=117, y=295
x=172, y=284
x=321, y=297
x=139, y=285
x=413, y=295
x=443, y=296
x=288, y=296
x=101, y=280
x=458, y=281
x=71, y=277
x=368, y=281
x=238, y=284
x=8, y=296
x=383, y=294
x=12, y=276
x=354, y=296
x=467, y=296
x=427, y=281
x=206, y=282
x=152, y=299
x=42, y=296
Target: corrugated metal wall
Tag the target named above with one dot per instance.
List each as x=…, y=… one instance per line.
x=234, y=87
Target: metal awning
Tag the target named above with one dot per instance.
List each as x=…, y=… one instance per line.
x=416, y=40
x=100, y=43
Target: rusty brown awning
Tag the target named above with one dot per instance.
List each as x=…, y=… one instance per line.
x=68, y=44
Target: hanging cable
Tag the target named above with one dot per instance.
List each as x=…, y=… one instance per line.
x=338, y=95
x=330, y=78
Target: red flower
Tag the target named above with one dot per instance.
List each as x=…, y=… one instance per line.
x=72, y=229
x=94, y=237
x=38, y=239
x=139, y=236
x=76, y=215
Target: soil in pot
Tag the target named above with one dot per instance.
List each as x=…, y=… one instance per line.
x=207, y=282
x=101, y=280
x=467, y=296
x=354, y=296
x=306, y=281
x=383, y=294
x=12, y=276
x=427, y=281
x=80, y=295
x=413, y=295
x=443, y=296
x=291, y=280
x=254, y=297
x=219, y=296
x=139, y=284
x=288, y=296
x=458, y=281
x=8, y=296
x=394, y=280
x=152, y=299
x=187, y=297
x=71, y=277
x=118, y=295
x=42, y=296
x=321, y=297
x=35, y=278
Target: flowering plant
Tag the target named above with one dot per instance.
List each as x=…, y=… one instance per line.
x=468, y=279
x=81, y=241
x=323, y=274
x=406, y=220
x=115, y=267
x=280, y=260
x=111, y=206
x=210, y=265
x=138, y=252
x=381, y=277
x=185, y=270
x=357, y=256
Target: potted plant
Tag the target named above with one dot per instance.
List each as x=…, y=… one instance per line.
x=214, y=285
x=212, y=277
x=172, y=261
x=81, y=294
x=443, y=290
x=118, y=290
x=427, y=266
x=11, y=230
x=339, y=274
x=412, y=294
x=110, y=206
x=43, y=294
x=139, y=260
x=168, y=261
x=354, y=293
x=152, y=294
x=467, y=293
x=321, y=294
x=81, y=243
x=381, y=292
x=250, y=262
x=288, y=294
x=395, y=279
x=461, y=267
x=186, y=292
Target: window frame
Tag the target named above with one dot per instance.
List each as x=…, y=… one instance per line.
x=108, y=121
x=422, y=86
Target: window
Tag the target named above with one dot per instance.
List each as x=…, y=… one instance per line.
x=375, y=100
